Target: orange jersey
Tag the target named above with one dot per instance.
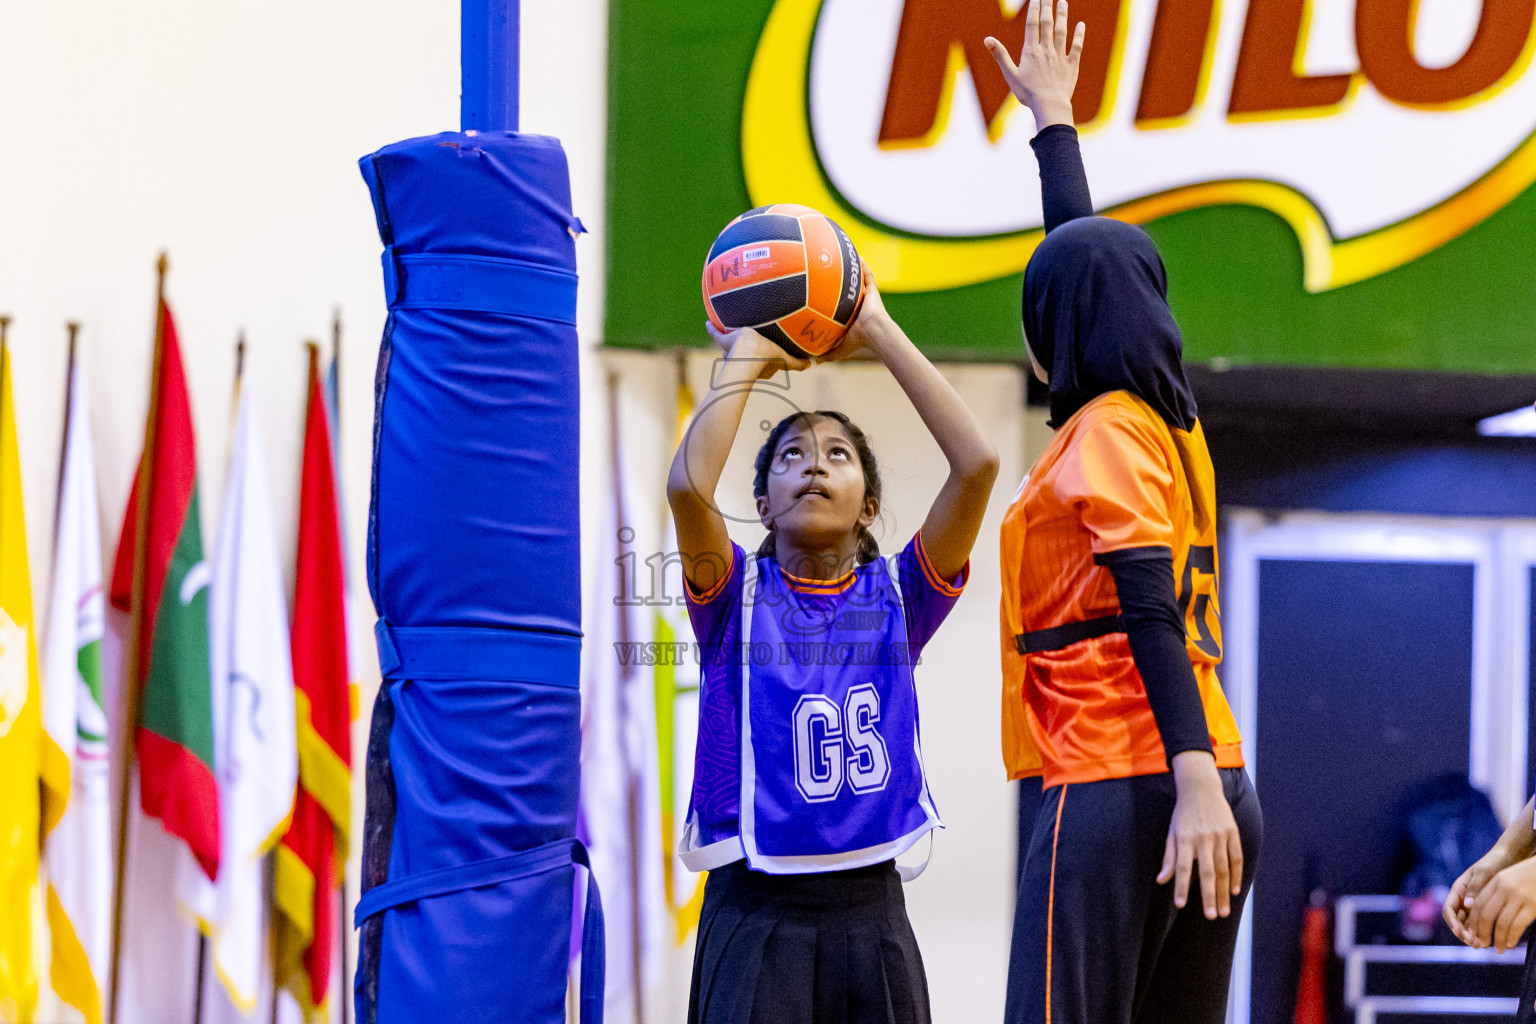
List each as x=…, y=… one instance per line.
x=1116, y=476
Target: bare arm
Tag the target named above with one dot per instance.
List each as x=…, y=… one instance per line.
x=696, y=468
x=955, y=517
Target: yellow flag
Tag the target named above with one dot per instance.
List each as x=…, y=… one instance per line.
x=20, y=731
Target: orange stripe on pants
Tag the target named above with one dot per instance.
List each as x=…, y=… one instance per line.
x=1050, y=903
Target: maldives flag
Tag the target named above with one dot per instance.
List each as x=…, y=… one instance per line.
x=160, y=576
x=314, y=850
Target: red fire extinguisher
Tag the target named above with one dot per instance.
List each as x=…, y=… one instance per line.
x=1312, y=992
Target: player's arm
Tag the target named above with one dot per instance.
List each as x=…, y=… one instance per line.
x=1203, y=831
x=1043, y=81
x=700, y=459
x=1467, y=896
x=953, y=521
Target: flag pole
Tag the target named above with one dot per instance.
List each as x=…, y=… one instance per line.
x=626, y=682
x=136, y=606
x=336, y=362
x=341, y=918
x=73, y=327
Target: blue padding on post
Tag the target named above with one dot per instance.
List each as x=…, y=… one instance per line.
x=484, y=284
x=477, y=653
x=474, y=564
x=476, y=500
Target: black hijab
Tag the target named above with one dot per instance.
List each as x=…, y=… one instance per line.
x=1096, y=317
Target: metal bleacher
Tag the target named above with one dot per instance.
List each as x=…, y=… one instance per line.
x=1387, y=981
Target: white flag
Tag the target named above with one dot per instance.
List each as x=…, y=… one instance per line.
x=620, y=792
x=255, y=752
x=79, y=849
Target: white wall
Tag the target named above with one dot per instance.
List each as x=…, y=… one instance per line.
x=229, y=135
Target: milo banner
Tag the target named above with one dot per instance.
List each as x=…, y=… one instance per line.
x=1331, y=182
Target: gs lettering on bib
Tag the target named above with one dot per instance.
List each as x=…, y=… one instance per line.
x=809, y=754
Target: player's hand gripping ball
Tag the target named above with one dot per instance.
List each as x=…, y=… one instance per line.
x=788, y=272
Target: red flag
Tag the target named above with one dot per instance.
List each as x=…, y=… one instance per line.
x=313, y=852
x=168, y=594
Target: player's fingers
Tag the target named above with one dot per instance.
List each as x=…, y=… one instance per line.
x=1170, y=860
x=1235, y=862
x=1205, y=861
x=1181, y=872
x=1223, y=880
x=1485, y=911
x=1059, y=36
x=1077, y=43
x=1004, y=61
x=1512, y=926
x=1452, y=909
x=1501, y=926
x=720, y=338
x=1047, y=23
x=1031, y=26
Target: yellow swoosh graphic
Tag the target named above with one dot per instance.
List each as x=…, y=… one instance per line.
x=779, y=158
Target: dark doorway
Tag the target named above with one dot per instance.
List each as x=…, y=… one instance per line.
x=1364, y=689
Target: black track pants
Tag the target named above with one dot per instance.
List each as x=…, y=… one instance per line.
x=1095, y=939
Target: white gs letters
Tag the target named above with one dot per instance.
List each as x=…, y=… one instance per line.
x=819, y=737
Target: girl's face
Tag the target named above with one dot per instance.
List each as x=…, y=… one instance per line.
x=815, y=485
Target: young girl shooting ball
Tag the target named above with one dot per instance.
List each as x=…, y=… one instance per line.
x=808, y=779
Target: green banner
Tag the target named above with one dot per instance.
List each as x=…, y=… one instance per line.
x=1367, y=203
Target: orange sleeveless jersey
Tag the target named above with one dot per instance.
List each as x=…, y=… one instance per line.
x=1114, y=477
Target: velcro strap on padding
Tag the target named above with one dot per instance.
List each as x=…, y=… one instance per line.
x=419, y=886
x=1054, y=639
x=478, y=653
x=483, y=284
x=524, y=864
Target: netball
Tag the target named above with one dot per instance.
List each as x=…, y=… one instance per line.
x=787, y=271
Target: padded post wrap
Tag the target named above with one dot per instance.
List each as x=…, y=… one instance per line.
x=474, y=565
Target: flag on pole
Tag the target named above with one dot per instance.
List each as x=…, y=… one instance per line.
x=79, y=850
x=168, y=594
x=357, y=636
x=256, y=758
x=313, y=852
x=676, y=682
x=620, y=815
x=22, y=777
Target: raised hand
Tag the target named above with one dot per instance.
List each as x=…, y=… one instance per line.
x=1046, y=73
x=867, y=326
x=747, y=344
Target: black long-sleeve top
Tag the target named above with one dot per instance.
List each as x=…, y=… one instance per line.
x=1149, y=608
x=1063, y=181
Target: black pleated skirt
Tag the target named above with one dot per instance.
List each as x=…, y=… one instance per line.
x=828, y=948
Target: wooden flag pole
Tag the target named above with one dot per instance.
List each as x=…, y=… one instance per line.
x=136, y=605
x=73, y=327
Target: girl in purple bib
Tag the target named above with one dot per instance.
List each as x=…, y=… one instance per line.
x=808, y=778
